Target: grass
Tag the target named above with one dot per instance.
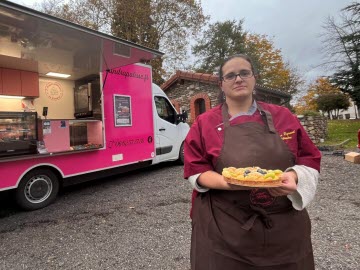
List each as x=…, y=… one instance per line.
x=341, y=130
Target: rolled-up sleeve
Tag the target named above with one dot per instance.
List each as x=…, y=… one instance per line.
x=306, y=189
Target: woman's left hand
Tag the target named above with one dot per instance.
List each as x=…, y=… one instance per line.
x=289, y=185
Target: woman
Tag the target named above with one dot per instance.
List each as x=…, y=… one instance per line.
x=235, y=227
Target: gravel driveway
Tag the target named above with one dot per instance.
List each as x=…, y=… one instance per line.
x=140, y=221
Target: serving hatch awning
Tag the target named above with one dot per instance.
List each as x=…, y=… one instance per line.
x=33, y=41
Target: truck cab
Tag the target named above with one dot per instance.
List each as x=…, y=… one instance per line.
x=170, y=132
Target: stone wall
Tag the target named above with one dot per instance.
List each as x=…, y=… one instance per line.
x=315, y=126
x=184, y=90
x=184, y=93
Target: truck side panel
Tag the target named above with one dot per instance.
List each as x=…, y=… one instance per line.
x=128, y=129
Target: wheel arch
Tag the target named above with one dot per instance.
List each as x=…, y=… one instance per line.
x=55, y=169
x=181, y=154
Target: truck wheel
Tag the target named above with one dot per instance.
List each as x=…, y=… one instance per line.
x=181, y=154
x=37, y=189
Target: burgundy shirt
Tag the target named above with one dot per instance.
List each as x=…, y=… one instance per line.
x=205, y=138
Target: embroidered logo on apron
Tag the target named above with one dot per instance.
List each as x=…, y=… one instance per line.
x=261, y=197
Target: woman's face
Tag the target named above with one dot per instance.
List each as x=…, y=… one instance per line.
x=238, y=88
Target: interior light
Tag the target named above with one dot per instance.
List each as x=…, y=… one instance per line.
x=13, y=97
x=60, y=75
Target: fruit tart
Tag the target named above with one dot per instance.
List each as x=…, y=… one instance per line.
x=252, y=177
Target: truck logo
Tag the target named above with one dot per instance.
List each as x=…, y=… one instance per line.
x=128, y=74
x=54, y=91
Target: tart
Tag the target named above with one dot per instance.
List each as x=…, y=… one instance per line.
x=252, y=177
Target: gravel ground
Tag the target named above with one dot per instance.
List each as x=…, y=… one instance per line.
x=335, y=215
x=140, y=221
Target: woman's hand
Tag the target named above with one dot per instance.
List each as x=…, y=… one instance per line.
x=289, y=185
x=214, y=180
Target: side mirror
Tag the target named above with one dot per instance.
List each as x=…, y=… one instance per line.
x=178, y=118
x=182, y=117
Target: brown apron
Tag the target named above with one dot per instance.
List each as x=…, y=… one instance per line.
x=250, y=229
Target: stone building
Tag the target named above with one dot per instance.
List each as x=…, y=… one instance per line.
x=198, y=92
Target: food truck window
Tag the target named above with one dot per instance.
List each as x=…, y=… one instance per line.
x=165, y=110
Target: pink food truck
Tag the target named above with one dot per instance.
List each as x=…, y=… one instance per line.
x=75, y=105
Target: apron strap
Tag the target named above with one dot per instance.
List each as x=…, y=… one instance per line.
x=258, y=212
x=267, y=118
x=225, y=115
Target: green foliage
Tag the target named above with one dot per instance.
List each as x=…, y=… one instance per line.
x=341, y=130
x=333, y=103
x=342, y=50
x=220, y=41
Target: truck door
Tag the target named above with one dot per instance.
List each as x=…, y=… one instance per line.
x=167, y=133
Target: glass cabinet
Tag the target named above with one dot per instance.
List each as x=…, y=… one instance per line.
x=18, y=133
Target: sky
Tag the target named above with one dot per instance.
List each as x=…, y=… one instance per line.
x=294, y=26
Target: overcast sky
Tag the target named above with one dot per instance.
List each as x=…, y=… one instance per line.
x=293, y=25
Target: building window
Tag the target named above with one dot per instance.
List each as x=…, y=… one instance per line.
x=199, y=106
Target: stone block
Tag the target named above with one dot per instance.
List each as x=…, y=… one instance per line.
x=353, y=157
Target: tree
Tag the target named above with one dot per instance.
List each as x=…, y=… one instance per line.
x=131, y=20
x=223, y=39
x=342, y=48
x=219, y=41
x=134, y=23
x=274, y=73
x=294, y=82
x=89, y=13
x=166, y=24
x=309, y=102
x=176, y=22
x=332, y=103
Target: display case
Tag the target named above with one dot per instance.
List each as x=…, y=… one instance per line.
x=86, y=134
x=18, y=133
x=57, y=136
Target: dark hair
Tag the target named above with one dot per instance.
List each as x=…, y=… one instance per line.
x=243, y=56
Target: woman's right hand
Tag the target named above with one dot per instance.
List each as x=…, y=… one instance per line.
x=214, y=180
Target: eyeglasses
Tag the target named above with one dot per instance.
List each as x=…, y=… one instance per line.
x=243, y=74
